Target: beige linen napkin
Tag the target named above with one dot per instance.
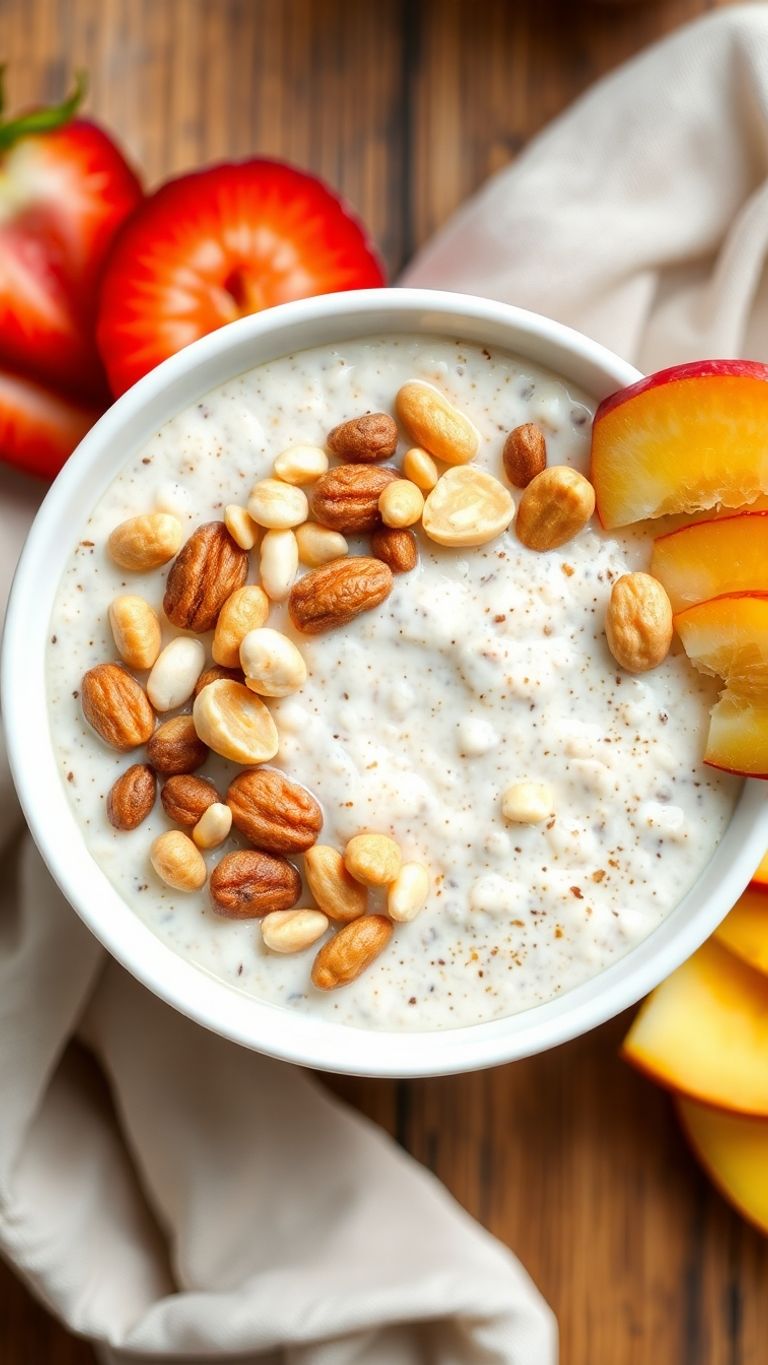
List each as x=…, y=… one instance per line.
x=227, y=1209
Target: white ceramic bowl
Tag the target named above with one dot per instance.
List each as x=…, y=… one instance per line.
x=180, y=381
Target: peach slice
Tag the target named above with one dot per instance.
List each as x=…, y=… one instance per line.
x=682, y=440
x=704, y=1032
x=761, y=875
x=723, y=555
x=728, y=636
x=737, y=740
x=734, y=1152
x=745, y=930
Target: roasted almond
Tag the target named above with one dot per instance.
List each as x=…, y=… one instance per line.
x=116, y=706
x=350, y=951
x=185, y=798
x=370, y=437
x=209, y=567
x=396, y=548
x=214, y=674
x=249, y=884
x=338, y=592
x=347, y=498
x=132, y=796
x=274, y=813
x=435, y=424
x=524, y=454
x=176, y=747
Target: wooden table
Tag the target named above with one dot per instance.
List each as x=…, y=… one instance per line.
x=407, y=106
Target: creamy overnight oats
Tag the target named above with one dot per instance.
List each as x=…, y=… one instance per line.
x=439, y=799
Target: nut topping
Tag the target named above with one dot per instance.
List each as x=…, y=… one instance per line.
x=234, y=723
x=350, y=951
x=401, y=503
x=213, y=826
x=177, y=862
x=407, y=894
x=274, y=813
x=347, y=497
x=145, y=542
x=420, y=468
x=241, y=526
x=638, y=622
x=337, y=593
x=339, y=896
x=249, y=884
x=116, y=706
x=317, y=545
x=301, y=464
x=528, y=803
x=466, y=507
x=373, y=859
x=291, y=931
x=272, y=664
x=245, y=610
x=435, y=424
x=175, y=672
x=186, y=799
x=136, y=630
x=396, y=548
x=525, y=454
x=207, y=570
x=214, y=673
x=175, y=747
x=555, y=506
x=364, y=439
x=132, y=796
x=277, y=505
x=278, y=564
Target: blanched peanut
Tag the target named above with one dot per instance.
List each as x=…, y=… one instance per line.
x=271, y=663
x=213, y=826
x=528, y=803
x=175, y=672
x=241, y=526
x=401, y=503
x=467, y=506
x=373, y=859
x=319, y=545
x=145, y=542
x=291, y=931
x=420, y=468
x=407, y=894
x=177, y=862
x=246, y=609
x=135, y=629
x=279, y=564
x=301, y=464
x=337, y=894
x=277, y=505
x=234, y=723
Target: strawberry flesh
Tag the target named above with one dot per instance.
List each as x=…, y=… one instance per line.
x=215, y=245
x=38, y=427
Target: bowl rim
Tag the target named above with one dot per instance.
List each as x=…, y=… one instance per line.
x=195, y=992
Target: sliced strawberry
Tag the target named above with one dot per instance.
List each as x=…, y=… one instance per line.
x=39, y=428
x=64, y=190
x=215, y=245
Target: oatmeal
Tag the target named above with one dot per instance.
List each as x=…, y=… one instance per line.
x=548, y=808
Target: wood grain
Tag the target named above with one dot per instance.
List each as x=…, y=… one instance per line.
x=407, y=106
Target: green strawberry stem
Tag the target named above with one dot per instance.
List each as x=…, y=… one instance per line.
x=40, y=120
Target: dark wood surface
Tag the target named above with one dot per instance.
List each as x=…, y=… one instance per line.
x=407, y=106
